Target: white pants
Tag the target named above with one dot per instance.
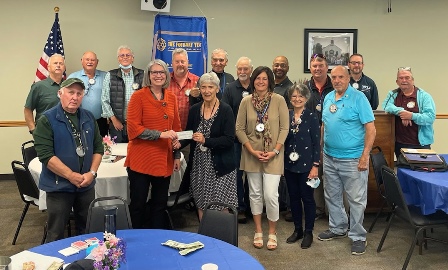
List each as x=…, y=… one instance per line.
x=263, y=187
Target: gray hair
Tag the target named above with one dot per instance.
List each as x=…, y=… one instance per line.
x=56, y=55
x=124, y=47
x=242, y=58
x=219, y=50
x=210, y=77
x=302, y=89
x=147, y=82
x=179, y=51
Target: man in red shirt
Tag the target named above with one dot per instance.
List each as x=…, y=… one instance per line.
x=182, y=83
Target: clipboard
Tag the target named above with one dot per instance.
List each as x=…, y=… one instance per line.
x=421, y=156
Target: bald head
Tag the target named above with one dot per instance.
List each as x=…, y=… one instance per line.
x=280, y=67
x=340, y=79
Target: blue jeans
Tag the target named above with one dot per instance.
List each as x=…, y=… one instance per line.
x=343, y=175
x=242, y=187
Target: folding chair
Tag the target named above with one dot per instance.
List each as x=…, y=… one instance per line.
x=412, y=214
x=221, y=225
x=95, y=216
x=27, y=187
x=28, y=152
x=378, y=160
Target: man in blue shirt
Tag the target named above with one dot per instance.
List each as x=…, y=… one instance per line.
x=93, y=81
x=348, y=134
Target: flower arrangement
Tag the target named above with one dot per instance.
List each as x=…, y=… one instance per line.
x=108, y=142
x=110, y=253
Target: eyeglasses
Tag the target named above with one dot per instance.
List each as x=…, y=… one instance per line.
x=318, y=55
x=356, y=63
x=125, y=55
x=404, y=68
x=156, y=72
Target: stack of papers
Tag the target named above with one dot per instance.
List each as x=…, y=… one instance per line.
x=40, y=261
x=184, y=248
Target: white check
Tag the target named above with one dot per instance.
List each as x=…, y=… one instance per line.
x=185, y=135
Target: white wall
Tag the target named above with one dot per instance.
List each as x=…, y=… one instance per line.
x=414, y=34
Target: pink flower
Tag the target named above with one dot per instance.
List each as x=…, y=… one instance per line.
x=99, y=252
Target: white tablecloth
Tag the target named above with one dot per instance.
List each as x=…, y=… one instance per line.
x=112, y=178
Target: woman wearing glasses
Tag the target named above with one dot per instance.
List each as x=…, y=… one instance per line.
x=213, y=173
x=302, y=155
x=152, y=122
x=262, y=126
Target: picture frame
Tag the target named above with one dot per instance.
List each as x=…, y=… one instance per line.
x=335, y=44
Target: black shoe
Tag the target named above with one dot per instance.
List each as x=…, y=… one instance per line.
x=288, y=217
x=307, y=240
x=296, y=235
x=242, y=217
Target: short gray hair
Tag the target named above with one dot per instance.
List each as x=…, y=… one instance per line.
x=147, y=82
x=124, y=47
x=56, y=55
x=179, y=51
x=219, y=50
x=210, y=77
x=302, y=89
x=242, y=58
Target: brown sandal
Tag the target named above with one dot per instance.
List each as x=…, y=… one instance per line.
x=258, y=240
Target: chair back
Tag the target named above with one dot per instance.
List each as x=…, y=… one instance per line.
x=28, y=152
x=394, y=193
x=183, y=194
x=25, y=182
x=95, y=216
x=221, y=225
x=378, y=161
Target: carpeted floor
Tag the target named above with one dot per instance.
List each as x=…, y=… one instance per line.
x=332, y=255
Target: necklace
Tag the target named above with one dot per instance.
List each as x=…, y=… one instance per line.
x=295, y=123
x=201, y=146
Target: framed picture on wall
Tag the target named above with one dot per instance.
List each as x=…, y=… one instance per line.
x=335, y=44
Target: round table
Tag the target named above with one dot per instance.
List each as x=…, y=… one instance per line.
x=112, y=177
x=144, y=251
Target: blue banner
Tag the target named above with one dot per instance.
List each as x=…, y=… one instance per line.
x=189, y=33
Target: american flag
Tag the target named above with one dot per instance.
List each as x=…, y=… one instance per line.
x=54, y=45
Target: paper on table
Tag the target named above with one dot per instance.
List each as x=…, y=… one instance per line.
x=41, y=261
x=68, y=251
x=185, y=135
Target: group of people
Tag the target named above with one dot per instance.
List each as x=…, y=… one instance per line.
x=261, y=126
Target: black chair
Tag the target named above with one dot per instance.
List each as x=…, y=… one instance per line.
x=378, y=161
x=221, y=225
x=28, y=152
x=95, y=216
x=411, y=214
x=27, y=187
x=179, y=198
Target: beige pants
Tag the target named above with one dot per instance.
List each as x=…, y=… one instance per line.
x=263, y=188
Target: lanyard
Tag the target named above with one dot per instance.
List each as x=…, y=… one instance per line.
x=224, y=83
x=76, y=134
x=260, y=116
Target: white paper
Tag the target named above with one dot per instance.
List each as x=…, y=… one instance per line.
x=41, y=261
x=185, y=135
x=68, y=251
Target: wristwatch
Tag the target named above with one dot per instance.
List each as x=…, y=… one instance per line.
x=94, y=174
x=276, y=151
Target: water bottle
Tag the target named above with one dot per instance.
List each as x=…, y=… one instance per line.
x=110, y=219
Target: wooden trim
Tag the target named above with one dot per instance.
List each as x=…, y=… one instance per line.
x=13, y=124
x=18, y=123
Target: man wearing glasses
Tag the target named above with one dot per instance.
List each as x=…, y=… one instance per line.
x=118, y=87
x=219, y=62
x=320, y=85
x=360, y=81
x=414, y=111
x=93, y=81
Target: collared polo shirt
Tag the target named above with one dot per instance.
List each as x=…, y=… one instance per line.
x=42, y=96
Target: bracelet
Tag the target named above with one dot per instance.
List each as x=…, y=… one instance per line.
x=316, y=165
x=276, y=151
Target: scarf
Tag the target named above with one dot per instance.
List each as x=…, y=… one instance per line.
x=260, y=106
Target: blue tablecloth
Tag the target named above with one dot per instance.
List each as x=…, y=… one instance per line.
x=144, y=251
x=428, y=190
